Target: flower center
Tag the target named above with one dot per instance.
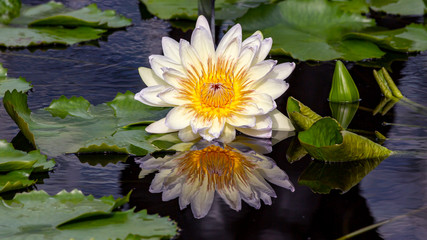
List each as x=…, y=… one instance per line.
x=216, y=95
x=221, y=166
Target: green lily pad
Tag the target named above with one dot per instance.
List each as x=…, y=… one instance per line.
x=399, y=7
x=8, y=10
x=188, y=9
x=301, y=116
x=326, y=140
x=83, y=128
x=53, y=23
x=71, y=215
x=12, y=159
x=9, y=84
x=311, y=30
x=15, y=180
x=324, y=177
x=411, y=38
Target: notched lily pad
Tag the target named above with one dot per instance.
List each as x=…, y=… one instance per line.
x=326, y=140
x=83, y=128
x=10, y=84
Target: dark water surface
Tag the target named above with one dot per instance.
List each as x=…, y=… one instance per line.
x=97, y=72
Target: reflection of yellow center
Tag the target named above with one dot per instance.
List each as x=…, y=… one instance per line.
x=219, y=91
x=221, y=166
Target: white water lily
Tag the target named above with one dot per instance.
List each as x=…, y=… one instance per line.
x=194, y=176
x=215, y=92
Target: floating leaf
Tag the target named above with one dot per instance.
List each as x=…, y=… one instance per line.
x=323, y=177
x=327, y=141
x=188, y=9
x=15, y=180
x=71, y=215
x=302, y=117
x=85, y=129
x=311, y=30
x=9, y=84
x=400, y=7
x=343, y=87
x=12, y=159
x=8, y=10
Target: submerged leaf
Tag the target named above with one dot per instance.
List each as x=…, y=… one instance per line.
x=324, y=177
x=327, y=141
x=10, y=84
x=84, y=128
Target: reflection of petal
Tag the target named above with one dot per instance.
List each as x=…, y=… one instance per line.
x=236, y=173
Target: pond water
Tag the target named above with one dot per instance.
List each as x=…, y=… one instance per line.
x=99, y=70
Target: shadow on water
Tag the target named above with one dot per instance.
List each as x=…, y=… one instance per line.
x=97, y=72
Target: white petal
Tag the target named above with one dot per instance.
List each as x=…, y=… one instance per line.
x=171, y=49
x=245, y=58
x=179, y=117
x=199, y=124
x=217, y=127
x=201, y=40
x=202, y=22
x=159, y=127
x=172, y=193
x=172, y=97
x=254, y=40
x=238, y=120
x=149, y=77
x=234, y=33
x=206, y=135
x=228, y=134
x=251, y=109
x=190, y=59
x=149, y=96
x=263, y=50
x=273, y=87
x=231, y=196
x=202, y=201
x=264, y=102
x=159, y=63
x=263, y=122
x=173, y=77
x=187, y=135
x=281, y=71
x=231, y=51
x=260, y=70
x=280, y=121
x=256, y=133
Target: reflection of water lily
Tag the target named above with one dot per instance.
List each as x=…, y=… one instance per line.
x=195, y=175
x=215, y=92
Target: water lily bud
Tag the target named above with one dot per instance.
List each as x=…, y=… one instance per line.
x=343, y=88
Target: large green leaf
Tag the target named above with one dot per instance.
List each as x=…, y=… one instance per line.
x=326, y=140
x=76, y=126
x=188, y=9
x=8, y=10
x=9, y=84
x=400, y=7
x=15, y=180
x=301, y=116
x=408, y=39
x=323, y=177
x=311, y=30
x=12, y=159
x=53, y=23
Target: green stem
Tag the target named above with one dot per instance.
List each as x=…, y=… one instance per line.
x=402, y=125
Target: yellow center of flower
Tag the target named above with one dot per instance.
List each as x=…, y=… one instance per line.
x=222, y=167
x=218, y=91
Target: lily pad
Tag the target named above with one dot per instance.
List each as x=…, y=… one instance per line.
x=83, y=128
x=9, y=84
x=8, y=10
x=12, y=159
x=324, y=177
x=188, y=9
x=326, y=140
x=71, y=215
x=311, y=30
x=399, y=7
x=15, y=180
x=53, y=23
x=301, y=116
